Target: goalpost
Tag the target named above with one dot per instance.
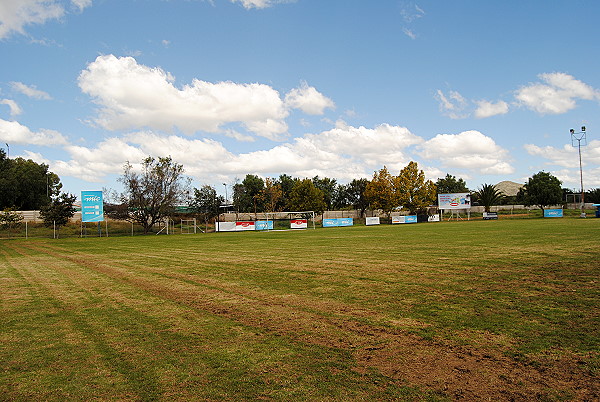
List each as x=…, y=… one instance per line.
x=188, y=226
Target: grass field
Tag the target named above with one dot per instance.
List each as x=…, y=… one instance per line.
x=500, y=310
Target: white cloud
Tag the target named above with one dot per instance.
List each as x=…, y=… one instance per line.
x=409, y=33
x=308, y=99
x=249, y=4
x=567, y=156
x=468, y=150
x=15, y=109
x=12, y=131
x=15, y=15
x=557, y=94
x=488, y=109
x=136, y=96
x=81, y=4
x=30, y=90
x=345, y=152
x=453, y=105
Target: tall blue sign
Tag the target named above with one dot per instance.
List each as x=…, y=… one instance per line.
x=92, y=207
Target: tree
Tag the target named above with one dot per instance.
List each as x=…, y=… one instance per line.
x=542, y=189
x=286, y=183
x=270, y=195
x=414, y=192
x=450, y=185
x=306, y=197
x=246, y=195
x=9, y=219
x=356, y=195
x=328, y=187
x=593, y=196
x=25, y=184
x=488, y=195
x=207, y=203
x=151, y=195
x=381, y=191
x=59, y=211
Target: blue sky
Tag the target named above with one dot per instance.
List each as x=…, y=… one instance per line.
x=486, y=91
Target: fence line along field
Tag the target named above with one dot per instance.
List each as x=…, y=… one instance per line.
x=504, y=310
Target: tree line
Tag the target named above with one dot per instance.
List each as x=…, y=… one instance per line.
x=161, y=189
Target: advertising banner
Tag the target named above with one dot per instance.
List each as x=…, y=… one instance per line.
x=410, y=219
x=331, y=223
x=372, y=221
x=299, y=223
x=263, y=225
x=345, y=221
x=553, y=213
x=92, y=207
x=454, y=201
x=397, y=219
x=404, y=219
x=433, y=218
x=490, y=215
x=246, y=225
x=225, y=226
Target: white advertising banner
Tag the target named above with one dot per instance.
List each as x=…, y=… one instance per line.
x=225, y=226
x=433, y=218
x=372, y=221
x=398, y=219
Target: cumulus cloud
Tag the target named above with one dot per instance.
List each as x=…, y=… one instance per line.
x=488, y=109
x=15, y=109
x=344, y=152
x=557, y=94
x=14, y=132
x=468, y=150
x=567, y=156
x=16, y=15
x=30, y=91
x=134, y=96
x=309, y=100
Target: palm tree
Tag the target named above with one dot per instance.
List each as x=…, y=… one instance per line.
x=488, y=195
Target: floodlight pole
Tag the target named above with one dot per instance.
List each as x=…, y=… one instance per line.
x=580, y=136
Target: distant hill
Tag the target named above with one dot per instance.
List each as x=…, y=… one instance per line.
x=509, y=188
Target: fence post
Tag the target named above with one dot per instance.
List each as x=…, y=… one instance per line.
x=54, y=232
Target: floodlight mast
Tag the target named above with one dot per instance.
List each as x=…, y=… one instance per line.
x=580, y=136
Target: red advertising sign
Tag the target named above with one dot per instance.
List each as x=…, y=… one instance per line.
x=299, y=223
x=249, y=225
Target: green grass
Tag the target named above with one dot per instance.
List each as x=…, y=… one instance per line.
x=331, y=314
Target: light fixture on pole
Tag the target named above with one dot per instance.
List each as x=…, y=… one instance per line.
x=579, y=137
x=7, y=150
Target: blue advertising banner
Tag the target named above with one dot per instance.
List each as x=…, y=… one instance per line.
x=345, y=221
x=263, y=225
x=92, y=207
x=410, y=219
x=553, y=213
x=331, y=223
